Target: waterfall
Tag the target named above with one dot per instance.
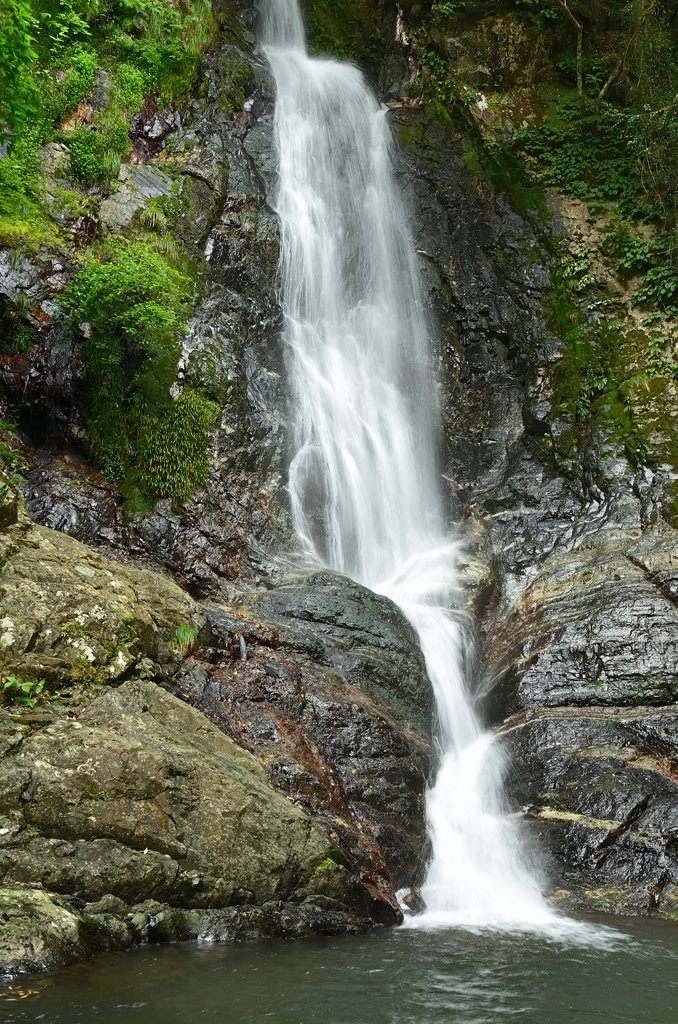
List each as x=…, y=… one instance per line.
x=364, y=481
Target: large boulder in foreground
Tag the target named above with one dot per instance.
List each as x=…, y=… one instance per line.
x=136, y=798
x=140, y=796
x=147, y=819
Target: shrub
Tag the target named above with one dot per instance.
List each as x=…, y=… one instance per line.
x=85, y=165
x=173, y=449
x=134, y=301
x=17, y=59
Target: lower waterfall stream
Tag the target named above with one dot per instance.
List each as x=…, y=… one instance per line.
x=364, y=483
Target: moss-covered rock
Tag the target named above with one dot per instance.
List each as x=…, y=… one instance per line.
x=143, y=772
x=40, y=932
x=71, y=616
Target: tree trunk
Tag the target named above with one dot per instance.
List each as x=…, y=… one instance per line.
x=580, y=36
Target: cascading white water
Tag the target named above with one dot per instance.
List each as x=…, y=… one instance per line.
x=364, y=482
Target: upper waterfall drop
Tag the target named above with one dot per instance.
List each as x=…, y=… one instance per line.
x=364, y=482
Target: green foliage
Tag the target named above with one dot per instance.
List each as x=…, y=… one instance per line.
x=508, y=174
x=184, y=639
x=16, y=332
x=452, y=7
x=24, y=694
x=545, y=8
x=61, y=23
x=11, y=462
x=660, y=288
x=633, y=253
x=563, y=314
x=594, y=157
x=162, y=41
x=82, y=66
x=134, y=301
x=173, y=449
x=85, y=166
x=128, y=87
x=97, y=151
x=92, y=792
x=657, y=364
x=17, y=60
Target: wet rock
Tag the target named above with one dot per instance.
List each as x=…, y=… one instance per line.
x=345, y=755
x=138, y=184
x=414, y=901
x=369, y=636
x=598, y=791
x=151, y=126
x=220, y=160
x=64, y=494
x=595, y=627
x=578, y=608
x=135, y=796
x=41, y=932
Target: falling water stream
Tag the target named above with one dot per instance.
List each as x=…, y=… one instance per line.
x=364, y=482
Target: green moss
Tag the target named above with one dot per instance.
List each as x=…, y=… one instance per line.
x=345, y=28
x=92, y=792
x=621, y=380
x=134, y=301
x=323, y=866
x=232, y=97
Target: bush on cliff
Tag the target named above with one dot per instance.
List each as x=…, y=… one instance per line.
x=129, y=306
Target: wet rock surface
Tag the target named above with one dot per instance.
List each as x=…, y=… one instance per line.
x=43, y=931
x=578, y=622
x=325, y=735
x=598, y=790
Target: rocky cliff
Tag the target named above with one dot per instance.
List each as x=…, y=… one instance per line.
x=232, y=742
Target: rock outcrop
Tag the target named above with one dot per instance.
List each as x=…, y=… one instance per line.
x=302, y=797
x=575, y=636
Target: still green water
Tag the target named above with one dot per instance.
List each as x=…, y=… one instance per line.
x=390, y=977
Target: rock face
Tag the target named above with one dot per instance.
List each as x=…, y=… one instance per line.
x=328, y=722
x=599, y=789
x=214, y=161
x=302, y=797
x=577, y=631
x=138, y=796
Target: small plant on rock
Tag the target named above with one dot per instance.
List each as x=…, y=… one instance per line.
x=184, y=640
x=25, y=694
